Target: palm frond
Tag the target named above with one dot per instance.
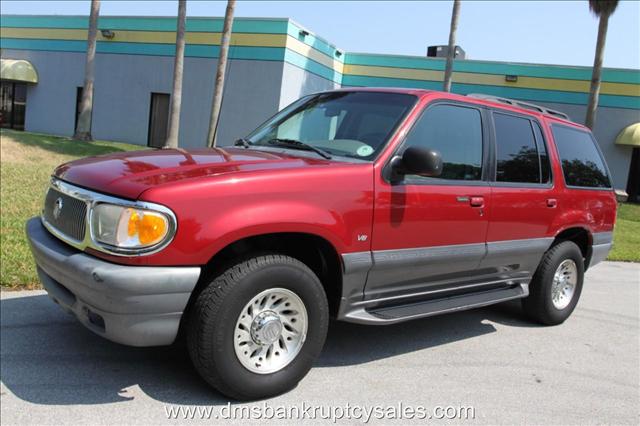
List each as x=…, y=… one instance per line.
x=602, y=7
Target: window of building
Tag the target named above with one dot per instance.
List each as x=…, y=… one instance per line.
x=158, y=119
x=456, y=133
x=79, y=91
x=582, y=164
x=517, y=154
x=13, y=102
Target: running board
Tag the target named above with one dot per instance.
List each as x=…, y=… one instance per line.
x=395, y=314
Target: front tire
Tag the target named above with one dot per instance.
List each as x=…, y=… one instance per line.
x=257, y=328
x=556, y=286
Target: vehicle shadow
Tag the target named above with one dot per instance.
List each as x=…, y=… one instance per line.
x=47, y=357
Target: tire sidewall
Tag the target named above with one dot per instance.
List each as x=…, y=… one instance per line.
x=221, y=328
x=564, y=251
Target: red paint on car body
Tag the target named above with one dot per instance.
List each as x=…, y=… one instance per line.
x=222, y=195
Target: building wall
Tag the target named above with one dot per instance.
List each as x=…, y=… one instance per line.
x=51, y=103
x=273, y=62
x=538, y=83
x=558, y=87
x=297, y=82
x=122, y=95
x=252, y=93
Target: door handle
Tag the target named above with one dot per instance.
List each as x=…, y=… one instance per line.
x=476, y=201
x=552, y=203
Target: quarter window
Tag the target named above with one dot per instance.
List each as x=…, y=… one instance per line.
x=545, y=165
x=582, y=164
x=455, y=132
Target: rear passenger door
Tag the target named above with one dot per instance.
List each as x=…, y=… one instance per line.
x=523, y=204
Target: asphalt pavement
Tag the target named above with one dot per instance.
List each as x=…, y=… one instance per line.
x=490, y=364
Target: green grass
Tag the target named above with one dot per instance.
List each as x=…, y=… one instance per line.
x=626, y=238
x=26, y=163
x=27, y=160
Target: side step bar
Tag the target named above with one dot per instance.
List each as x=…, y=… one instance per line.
x=395, y=314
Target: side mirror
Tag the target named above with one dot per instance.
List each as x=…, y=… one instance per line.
x=417, y=161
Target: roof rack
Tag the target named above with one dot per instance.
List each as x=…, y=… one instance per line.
x=521, y=104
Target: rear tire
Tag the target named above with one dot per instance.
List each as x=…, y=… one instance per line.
x=555, y=288
x=240, y=307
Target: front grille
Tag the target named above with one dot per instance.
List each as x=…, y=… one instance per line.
x=71, y=218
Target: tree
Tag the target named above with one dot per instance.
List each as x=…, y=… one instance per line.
x=83, y=127
x=448, y=70
x=603, y=9
x=176, y=93
x=218, y=90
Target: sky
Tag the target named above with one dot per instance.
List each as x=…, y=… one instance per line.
x=549, y=32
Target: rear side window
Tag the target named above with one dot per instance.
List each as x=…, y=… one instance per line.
x=519, y=158
x=455, y=132
x=582, y=164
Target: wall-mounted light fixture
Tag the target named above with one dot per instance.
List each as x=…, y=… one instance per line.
x=511, y=78
x=304, y=33
x=108, y=34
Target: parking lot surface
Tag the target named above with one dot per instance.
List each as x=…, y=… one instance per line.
x=507, y=369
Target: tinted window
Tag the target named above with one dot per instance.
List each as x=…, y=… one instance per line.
x=582, y=164
x=351, y=124
x=517, y=156
x=455, y=132
x=545, y=166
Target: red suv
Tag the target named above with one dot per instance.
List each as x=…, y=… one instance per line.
x=372, y=206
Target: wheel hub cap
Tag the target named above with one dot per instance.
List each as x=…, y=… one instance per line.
x=564, y=284
x=270, y=331
x=266, y=328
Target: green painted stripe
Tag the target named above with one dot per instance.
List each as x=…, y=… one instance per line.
x=485, y=67
x=157, y=49
x=266, y=26
x=317, y=43
x=615, y=101
x=312, y=66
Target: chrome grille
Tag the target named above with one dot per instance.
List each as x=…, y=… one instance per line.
x=71, y=219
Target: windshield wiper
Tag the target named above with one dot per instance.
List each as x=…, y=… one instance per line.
x=300, y=145
x=242, y=142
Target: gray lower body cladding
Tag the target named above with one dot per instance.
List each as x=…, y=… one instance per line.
x=384, y=287
x=132, y=305
x=602, y=244
x=395, y=285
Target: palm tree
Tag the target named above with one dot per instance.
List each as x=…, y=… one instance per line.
x=176, y=94
x=448, y=70
x=83, y=126
x=603, y=9
x=218, y=90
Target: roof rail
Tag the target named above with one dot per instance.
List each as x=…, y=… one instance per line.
x=521, y=104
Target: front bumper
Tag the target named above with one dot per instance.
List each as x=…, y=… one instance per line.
x=132, y=305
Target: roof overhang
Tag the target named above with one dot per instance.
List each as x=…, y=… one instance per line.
x=629, y=136
x=18, y=70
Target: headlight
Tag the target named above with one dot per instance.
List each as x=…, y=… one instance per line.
x=129, y=227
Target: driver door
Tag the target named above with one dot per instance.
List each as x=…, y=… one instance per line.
x=429, y=234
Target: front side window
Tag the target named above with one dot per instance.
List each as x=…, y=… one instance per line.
x=517, y=154
x=349, y=124
x=456, y=133
x=581, y=162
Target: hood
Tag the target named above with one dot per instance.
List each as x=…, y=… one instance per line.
x=129, y=174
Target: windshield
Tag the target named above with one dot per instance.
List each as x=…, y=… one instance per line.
x=349, y=124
